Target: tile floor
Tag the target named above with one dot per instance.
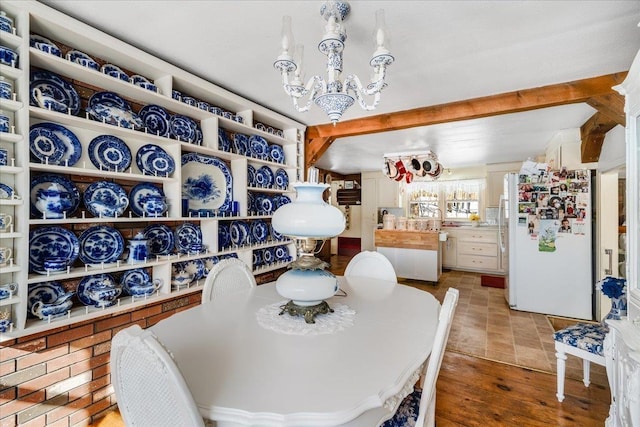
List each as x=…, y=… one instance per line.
x=484, y=326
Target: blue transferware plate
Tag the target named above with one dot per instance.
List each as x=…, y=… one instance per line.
x=6, y=192
x=138, y=196
x=109, y=107
x=110, y=99
x=265, y=177
x=281, y=179
x=137, y=278
x=73, y=148
x=209, y=263
x=241, y=144
x=258, y=147
x=47, y=292
x=53, y=86
x=196, y=267
x=231, y=255
x=108, y=152
x=69, y=197
x=101, y=244
x=257, y=258
x=240, y=233
x=281, y=200
x=259, y=231
x=98, y=282
x=153, y=160
x=105, y=199
x=223, y=141
x=183, y=128
x=268, y=255
x=160, y=238
x=281, y=253
x=82, y=59
x=224, y=235
x=276, y=153
x=207, y=183
x=45, y=242
x=156, y=119
x=266, y=204
x=251, y=201
x=115, y=72
x=187, y=234
x=251, y=176
x=36, y=38
x=199, y=136
x=45, y=145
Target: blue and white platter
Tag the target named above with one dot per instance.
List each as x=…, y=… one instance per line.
x=108, y=107
x=47, y=292
x=160, y=238
x=46, y=242
x=6, y=192
x=224, y=235
x=151, y=159
x=265, y=177
x=53, y=86
x=69, y=199
x=240, y=233
x=187, y=234
x=110, y=99
x=137, y=282
x=105, y=199
x=259, y=231
x=281, y=179
x=258, y=147
x=140, y=194
x=45, y=137
x=276, y=153
x=207, y=183
x=101, y=244
x=103, y=283
x=108, y=152
x=156, y=119
x=82, y=59
x=183, y=128
x=241, y=144
x=223, y=140
x=251, y=176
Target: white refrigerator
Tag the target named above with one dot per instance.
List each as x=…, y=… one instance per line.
x=547, y=223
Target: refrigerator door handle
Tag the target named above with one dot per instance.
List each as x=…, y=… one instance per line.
x=500, y=220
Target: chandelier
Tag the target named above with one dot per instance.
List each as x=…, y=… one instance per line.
x=332, y=94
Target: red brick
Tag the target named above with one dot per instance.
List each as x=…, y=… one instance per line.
x=42, y=382
x=102, y=393
x=17, y=405
x=68, y=359
x=112, y=322
x=9, y=421
x=22, y=349
x=8, y=394
x=88, y=364
x=102, y=348
x=69, y=408
x=140, y=322
x=41, y=356
x=59, y=423
x=40, y=421
x=7, y=367
x=155, y=319
x=90, y=340
x=42, y=334
x=89, y=387
x=89, y=411
x=70, y=335
x=146, y=312
x=101, y=371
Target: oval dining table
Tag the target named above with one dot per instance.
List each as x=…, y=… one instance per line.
x=242, y=373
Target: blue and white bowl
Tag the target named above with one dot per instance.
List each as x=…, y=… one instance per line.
x=8, y=56
x=6, y=88
x=6, y=24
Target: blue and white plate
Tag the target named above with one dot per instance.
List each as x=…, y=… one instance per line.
x=265, y=205
x=6, y=192
x=110, y=99
x=265, y=177
x=276, y=153
x=259, y=231
x=115, y=72
x=196, y=267
x=268, y=255
x=101, y=244
x=183, y=128
x=282, y=253
x=138, y=279
x=241, y=144
x=251, y=176
x=224, y=235
x=105, y=199
x=251, y=201
x=187, y=234
x=280, y=200
x=44, y=44
x=46, y=242
x=281, y=179
x=72, y=150
x=153, y=160
x=45, y=145
x=139, y=195
x=223, y=141
x=155, y=119
x=90, y=284
x=108, y=152
x=47, y=292
x=207, y=183
x=240, y=233
x=274, y=234
x=258, y=147
x=209, y=263
x=82, y=59
x=69, y=196
x=108, y=107
x=161, y=239
x=257, y=258
x=53, y=86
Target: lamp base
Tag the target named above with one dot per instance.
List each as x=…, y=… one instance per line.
x=308, y=311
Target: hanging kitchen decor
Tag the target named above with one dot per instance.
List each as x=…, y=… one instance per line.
x=406, y=166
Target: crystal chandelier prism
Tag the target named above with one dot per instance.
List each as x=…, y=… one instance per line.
x=332, y=94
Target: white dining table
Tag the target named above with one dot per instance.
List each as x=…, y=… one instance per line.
x=241, y=373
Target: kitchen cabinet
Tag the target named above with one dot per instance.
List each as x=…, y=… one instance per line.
x=377, y=191
x=450, y=250
x=244, y=117
x=413, y=254
x=473, y=249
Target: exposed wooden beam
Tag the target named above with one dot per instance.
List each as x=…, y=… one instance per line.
x=611, y=105
x=320, y=137
x=592, y=134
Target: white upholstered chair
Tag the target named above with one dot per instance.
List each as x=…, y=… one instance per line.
x=148, y=385
x=228, y=276
x=371, y=264
x=420, y=405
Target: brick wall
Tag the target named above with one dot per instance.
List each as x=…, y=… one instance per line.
x=61, y=377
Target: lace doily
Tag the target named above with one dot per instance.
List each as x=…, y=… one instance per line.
x=269, y=318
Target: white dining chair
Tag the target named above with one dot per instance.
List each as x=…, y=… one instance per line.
x=149, y=387
x=419, y=407
x=228, y=276
x=371, y=264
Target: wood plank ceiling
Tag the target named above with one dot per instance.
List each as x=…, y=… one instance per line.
x=598, y=92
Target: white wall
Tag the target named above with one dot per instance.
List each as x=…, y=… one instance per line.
x=613, y=149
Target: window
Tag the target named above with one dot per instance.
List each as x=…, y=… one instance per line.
x=452, y=200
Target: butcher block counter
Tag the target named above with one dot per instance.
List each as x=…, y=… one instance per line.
x=414, y=254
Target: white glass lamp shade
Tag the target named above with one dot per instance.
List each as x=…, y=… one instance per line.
x=308, y=215
x=307, y=287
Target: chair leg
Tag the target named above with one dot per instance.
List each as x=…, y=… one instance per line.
x=561, y=358
x=586, y=366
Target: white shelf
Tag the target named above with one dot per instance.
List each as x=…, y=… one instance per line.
x=11, y=72
x=10, y=105
x=10, y=137
x=11, y=40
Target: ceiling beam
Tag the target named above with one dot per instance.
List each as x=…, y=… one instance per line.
x=320, y=137
x=611, y=105
x=592, y=134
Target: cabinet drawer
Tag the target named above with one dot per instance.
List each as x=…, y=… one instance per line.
x=473, y=248
x=483, y=236
x=478, y=262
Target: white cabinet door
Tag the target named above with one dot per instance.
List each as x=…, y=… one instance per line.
x=387, y=191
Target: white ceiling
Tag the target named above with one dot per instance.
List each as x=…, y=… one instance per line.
x=445, y=51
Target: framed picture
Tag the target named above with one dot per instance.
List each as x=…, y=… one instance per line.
x=348, y=185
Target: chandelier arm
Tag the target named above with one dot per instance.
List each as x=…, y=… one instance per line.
x=296, y=92
x=353, y=84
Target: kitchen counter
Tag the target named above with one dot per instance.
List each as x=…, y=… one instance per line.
x=427, y=240
x=414, y=254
